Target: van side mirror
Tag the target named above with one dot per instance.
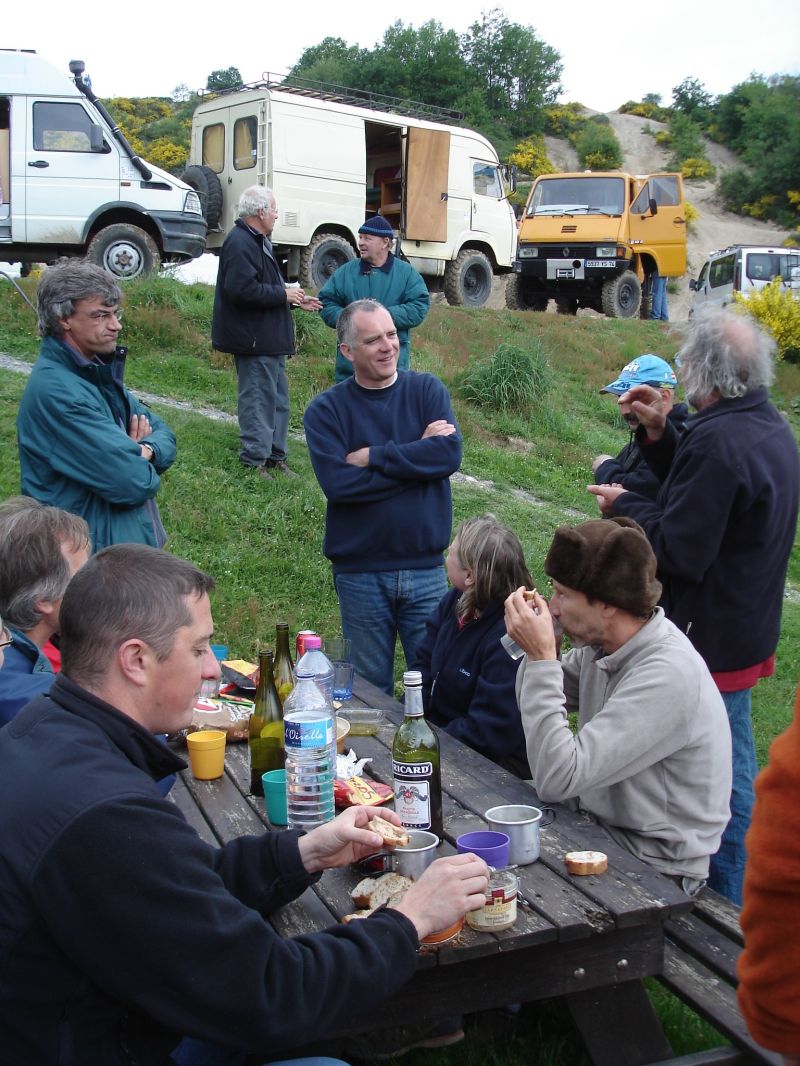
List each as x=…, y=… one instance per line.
x=692, y=285
x=96, y=137
x=653, y=206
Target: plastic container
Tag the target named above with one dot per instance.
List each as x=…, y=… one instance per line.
x=314, y=661
x=364, y=721
x=310, y=740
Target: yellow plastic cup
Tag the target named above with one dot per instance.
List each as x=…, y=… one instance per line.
x=206, y=753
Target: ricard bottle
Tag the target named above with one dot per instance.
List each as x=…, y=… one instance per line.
x=284, y=676
x=416, y=764
x=266, y=726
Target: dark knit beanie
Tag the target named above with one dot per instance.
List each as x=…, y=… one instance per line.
x=378, y=227
x=608, y=559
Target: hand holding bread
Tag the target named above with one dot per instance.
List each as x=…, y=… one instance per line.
x=348, y=838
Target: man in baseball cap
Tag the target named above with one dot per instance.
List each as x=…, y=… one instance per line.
x=378, y=275
x=629, y=468
x=651, y=758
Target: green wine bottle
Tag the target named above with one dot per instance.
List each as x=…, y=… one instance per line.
x=284, y=677
x=266, y=726
x=416, y=764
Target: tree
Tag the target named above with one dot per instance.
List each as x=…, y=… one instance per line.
x=693, y=100
x=332, y=61
x=181, y=93
x=229, y=78
x=652, y=98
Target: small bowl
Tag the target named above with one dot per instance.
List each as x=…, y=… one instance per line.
x=342, y=731
x=442, y=936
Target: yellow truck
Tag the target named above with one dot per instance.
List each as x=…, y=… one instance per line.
x=597, y=240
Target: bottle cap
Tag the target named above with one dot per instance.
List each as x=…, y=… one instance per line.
x=313, y=641
x=412, y=677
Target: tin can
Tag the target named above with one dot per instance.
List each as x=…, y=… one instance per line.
x=300, y=642
x=499, y=910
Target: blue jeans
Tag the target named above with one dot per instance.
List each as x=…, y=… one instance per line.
x=727, y=866
x=658, y=309
x=191, y=1052
x=376, y=606
x=263, y=408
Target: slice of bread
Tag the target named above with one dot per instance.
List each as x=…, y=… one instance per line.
x=373, y=892
x=586, y=862
x=393, y=835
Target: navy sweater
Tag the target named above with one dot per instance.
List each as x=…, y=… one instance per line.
x=396, y=513
x=468, y=683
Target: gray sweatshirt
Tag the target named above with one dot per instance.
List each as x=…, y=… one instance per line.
x=652, y=756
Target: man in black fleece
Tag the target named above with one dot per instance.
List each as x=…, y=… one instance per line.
x=121, y=931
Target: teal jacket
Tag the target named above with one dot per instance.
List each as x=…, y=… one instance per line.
x=396, y=285
x=75, y=452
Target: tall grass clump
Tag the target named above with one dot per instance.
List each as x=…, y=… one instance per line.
x=513, y=379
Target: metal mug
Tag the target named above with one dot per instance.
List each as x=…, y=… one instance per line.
x=522, y=824
x=412, y=860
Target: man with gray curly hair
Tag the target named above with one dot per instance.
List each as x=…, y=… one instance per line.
x=253, y=322
x=86, y=444
x=722, y=528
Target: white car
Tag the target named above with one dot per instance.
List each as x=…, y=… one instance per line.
x=743, y=268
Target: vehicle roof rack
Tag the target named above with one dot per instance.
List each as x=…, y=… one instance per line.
x=321, y=90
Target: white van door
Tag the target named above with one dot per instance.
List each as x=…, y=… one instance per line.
x=66, y=179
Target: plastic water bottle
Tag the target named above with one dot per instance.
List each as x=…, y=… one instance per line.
x=315, y=661
x=310, y=737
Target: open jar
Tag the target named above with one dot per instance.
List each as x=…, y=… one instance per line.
x=499, y=910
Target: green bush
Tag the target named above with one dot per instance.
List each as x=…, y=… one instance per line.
x=697, y=168
x=561, y=120
x=598, y=147
x=512, y=380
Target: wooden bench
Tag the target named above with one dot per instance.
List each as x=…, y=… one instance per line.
x=700, y=953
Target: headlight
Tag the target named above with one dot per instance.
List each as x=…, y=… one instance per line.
x=191, y=204
x=528, y=251
x=606, y=251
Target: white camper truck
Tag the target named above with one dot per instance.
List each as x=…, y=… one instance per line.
x=70, y=184
x=333, y=158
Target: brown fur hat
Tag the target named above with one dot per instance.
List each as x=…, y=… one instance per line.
x=607, y=559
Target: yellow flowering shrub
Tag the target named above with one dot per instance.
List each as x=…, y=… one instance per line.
x=778, y=311
x=691, y=214
x=167, y=155
x=531, y=157
x=697, y=168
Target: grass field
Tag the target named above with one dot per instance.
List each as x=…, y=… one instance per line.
x=262, y=540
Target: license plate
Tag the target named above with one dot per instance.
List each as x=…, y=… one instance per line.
x=600, y=263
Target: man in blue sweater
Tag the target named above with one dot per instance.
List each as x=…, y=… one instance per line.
x=383, y=446
x=377, y=275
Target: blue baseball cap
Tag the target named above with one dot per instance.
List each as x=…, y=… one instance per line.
x=645, y=369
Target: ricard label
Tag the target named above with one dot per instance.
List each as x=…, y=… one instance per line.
x=412, y=795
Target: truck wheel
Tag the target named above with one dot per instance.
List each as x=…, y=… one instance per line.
x=468, y=279
x=323, y=257
x=206, y=184
x=622, y=296
x=521, y=297
x=124, y=251
x=566, y=305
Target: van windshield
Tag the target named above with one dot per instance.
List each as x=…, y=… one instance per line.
x=578, y=196
x=764, y=266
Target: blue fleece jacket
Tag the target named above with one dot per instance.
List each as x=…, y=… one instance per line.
x=396, y=513
x=468, y=682
x=26, y=672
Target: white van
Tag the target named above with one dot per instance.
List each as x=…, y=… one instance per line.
x=333, y=159
x=70, y=184
x=743, y=268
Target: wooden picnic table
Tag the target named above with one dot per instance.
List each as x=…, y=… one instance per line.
x=588, y=939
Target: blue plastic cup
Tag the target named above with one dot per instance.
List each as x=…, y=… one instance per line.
x=493, y=848
x=274, y=782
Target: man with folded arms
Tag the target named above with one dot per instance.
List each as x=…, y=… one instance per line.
x=652, y=756
x=125, y=938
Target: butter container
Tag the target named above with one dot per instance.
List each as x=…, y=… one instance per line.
x=499, y=910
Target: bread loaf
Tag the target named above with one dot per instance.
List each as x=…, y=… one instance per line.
x=373, y=892
x=586, y=862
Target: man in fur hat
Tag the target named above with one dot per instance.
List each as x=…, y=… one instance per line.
x=652, y=756
x=377, y=275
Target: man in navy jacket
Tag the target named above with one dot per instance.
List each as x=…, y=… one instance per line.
x=253, y=322
x=122, y=931
x=383, y=446
x=722, y=528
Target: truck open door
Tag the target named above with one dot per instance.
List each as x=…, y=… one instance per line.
x=427, y=174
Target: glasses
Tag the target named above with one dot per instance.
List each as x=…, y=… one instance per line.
x=6, y=639
x=101, y=316
x=678, y=361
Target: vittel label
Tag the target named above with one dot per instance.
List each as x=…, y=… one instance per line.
x=317, y=733
x=412, y=800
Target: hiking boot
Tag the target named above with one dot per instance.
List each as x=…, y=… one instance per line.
x=280, y=466
x=260, y=470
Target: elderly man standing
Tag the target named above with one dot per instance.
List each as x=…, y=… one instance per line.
x=40, y=549
x=630, y=468
x=252, y=321
x=86, y=444
x=722, y=528
x=383, y=446
x=652, y=756
x=377, y=275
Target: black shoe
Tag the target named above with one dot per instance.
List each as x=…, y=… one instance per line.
x=260, y=470
x=280, y=466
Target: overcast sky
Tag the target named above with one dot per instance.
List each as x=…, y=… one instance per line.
x=612, y=52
